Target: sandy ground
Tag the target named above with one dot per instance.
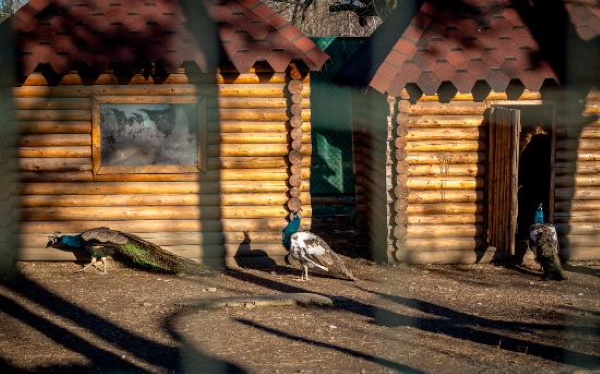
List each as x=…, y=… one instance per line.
x=426, y=319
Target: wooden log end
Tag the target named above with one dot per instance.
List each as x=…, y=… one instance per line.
x=295, y=180
x=296, y=122
x=295, y=157
x=294, y=204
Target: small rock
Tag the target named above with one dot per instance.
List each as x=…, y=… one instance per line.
x=210, y=289
x=332, y=327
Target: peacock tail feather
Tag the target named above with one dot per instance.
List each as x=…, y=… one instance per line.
x=151, y=256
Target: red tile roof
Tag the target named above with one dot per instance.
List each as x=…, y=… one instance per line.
x=92, y=34
x=460, y=42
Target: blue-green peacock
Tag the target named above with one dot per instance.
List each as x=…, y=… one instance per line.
x=544, y=241
x=101, y=242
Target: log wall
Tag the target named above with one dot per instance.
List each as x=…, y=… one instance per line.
x=445, y=153
x=445, y=150
x=237, y=207
x=577, y=195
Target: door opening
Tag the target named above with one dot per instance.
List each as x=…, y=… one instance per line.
x=535, y=172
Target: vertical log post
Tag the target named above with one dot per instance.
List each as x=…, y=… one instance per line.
x=294, y=91
x=400, y=190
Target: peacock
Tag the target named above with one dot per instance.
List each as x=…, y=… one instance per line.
x=312, y=251
x=543, y=238
x=101, y=242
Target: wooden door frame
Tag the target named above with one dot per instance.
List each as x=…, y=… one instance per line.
x=552, y=105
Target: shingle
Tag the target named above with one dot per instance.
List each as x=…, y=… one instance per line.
x=114, y=31
x=485, y=41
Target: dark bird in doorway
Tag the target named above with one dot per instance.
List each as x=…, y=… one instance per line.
x=312, y=251
x=544, y=241
x=98, y=243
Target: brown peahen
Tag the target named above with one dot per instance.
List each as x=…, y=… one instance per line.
x=101, y=242
x=544, y=241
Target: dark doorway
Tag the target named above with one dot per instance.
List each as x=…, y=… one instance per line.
x=535, y=167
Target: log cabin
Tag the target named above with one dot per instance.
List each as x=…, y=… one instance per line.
x=184, y=122
x=466, y=116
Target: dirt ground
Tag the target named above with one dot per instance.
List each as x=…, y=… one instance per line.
x=425, y=319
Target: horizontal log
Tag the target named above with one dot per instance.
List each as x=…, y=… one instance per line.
x=447, y=169
x=222, y=90
x=57, y=152
x=447, y=196
x=591, y=240
x=114, y=188
x=581, y=167
x=445, y=146
x=584, y=193
x=259, y=115
x=581, y=145
x=257, y=103
x=581, y=228
x=583, y=253
x=448, y=120
x=54, y=127
x=459, y=107
x=574, y=155
x=249, y=138
x=51, y=166
x=35, y=103
x=575, y=217
x=445, y=157
x=277, y=200
x=55, y=164
x=55, y=140
x=443, y=244
x=451, y=183
x=148, y=226
x=53, y=115
x=577, y=205
x=464, y=256
x=257, y=126
x=445, y=133
x=584, y=180
x=417, y=231
x=143, y=212
x=446, y=219
x=441, y=208
x=253, y=150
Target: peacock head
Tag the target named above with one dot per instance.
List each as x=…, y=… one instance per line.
x=53, y=239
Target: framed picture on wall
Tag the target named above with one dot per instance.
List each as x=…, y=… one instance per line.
x=145, y=134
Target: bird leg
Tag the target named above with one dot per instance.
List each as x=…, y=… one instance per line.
x=304, y=276
x=104, y=265
x=92, y=262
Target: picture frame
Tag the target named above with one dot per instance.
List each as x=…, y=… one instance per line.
x=148, y=134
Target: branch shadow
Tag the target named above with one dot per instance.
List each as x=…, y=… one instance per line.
x=138, y=347
x=465, y=326
x=453, y=324
x=367, y=357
